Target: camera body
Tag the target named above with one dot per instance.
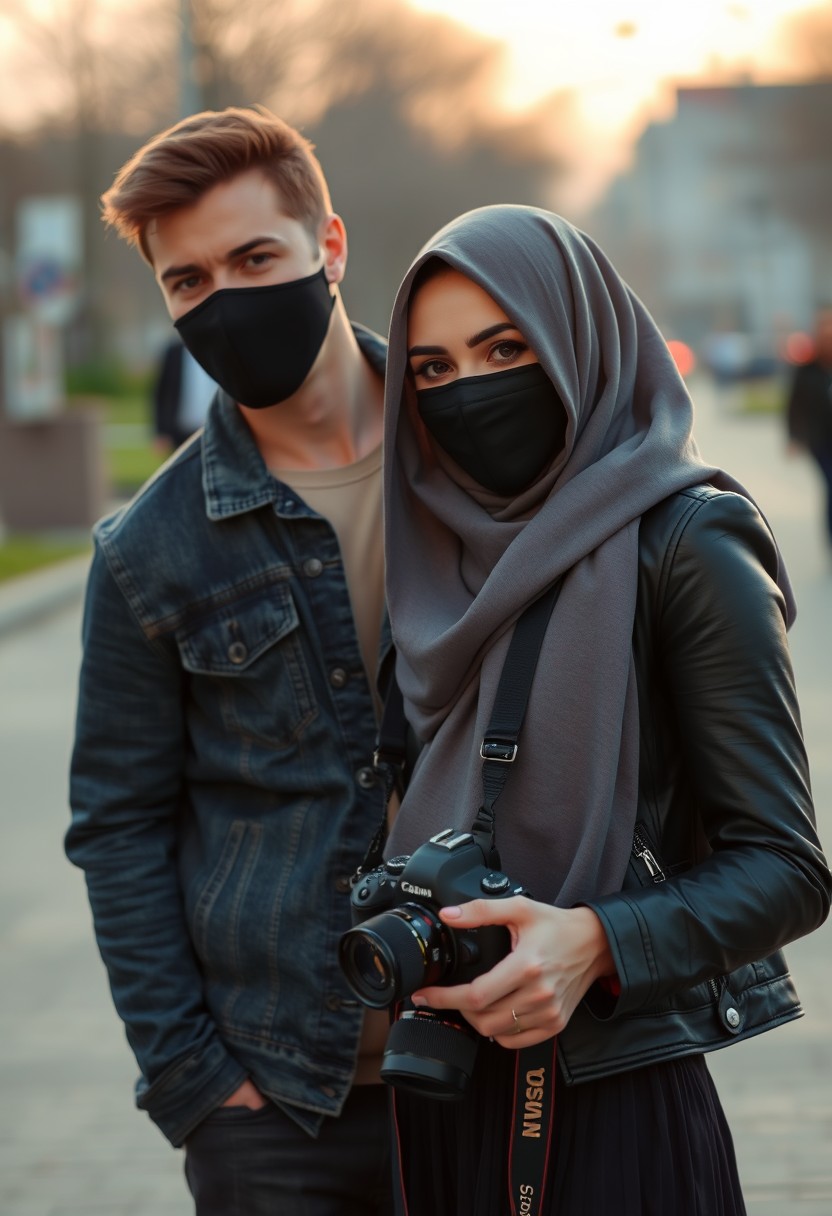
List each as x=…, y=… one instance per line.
x=448, y=869
x=398, y=944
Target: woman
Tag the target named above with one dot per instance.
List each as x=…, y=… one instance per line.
x=658, y=810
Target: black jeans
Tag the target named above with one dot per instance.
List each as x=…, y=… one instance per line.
x=242, y=1162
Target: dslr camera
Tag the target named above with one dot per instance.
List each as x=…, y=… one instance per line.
x=398, y=944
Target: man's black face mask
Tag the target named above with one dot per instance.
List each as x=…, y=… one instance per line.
x=503, y=428
x=259, y=343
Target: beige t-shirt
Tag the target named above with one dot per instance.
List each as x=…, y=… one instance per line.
x=349, y=497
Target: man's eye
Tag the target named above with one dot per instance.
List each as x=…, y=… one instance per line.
x=188, y=284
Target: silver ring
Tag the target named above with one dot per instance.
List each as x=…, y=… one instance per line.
x=514, y=1015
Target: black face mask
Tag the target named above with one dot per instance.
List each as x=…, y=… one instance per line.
x=503, y=428
x=259, y=343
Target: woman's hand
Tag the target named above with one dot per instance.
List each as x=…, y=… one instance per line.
x=556, y=954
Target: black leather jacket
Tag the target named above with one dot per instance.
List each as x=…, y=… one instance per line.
x=726, y=865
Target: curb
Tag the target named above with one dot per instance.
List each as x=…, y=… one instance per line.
x=29, y=598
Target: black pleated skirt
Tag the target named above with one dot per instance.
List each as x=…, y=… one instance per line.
x=652, y=1142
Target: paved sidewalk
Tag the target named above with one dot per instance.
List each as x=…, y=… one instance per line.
x=29, y=598
x=71, y=1143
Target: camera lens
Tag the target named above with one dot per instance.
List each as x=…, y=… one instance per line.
x=430, y=1052
x=392, y=954
x=364, y=958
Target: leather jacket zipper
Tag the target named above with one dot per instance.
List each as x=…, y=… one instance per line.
x=643, y=852
x=647, y=857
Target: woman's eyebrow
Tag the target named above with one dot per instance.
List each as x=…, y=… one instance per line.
x=475, y=339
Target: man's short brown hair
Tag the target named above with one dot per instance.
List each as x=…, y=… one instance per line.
x=175, y=168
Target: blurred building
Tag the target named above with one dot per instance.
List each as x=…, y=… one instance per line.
x=722, y=224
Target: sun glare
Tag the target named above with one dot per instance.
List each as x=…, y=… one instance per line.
x=620, y=60
x=616, y=53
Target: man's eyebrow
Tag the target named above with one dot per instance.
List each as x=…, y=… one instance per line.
x=253, y=244
x=175, y=272
x=499, y=328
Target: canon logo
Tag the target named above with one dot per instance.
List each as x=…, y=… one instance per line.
x=414, y=890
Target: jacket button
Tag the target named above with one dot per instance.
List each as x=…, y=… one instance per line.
x=732, y=1017
x=312, y=567
x=338, y=677
x=366, y=778
x=333, y=1002
x=342, y=884
x=238, y=652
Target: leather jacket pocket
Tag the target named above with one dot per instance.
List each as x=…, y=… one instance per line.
x=248, y=658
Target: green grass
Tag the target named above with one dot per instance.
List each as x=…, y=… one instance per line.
x=129, y=467
x=762, y=396
x=129, y=463
x=23, y=554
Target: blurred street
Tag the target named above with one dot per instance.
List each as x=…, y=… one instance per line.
x=71, y=1143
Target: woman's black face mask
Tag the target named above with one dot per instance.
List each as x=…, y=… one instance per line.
x=259, y=343
x=503, y=428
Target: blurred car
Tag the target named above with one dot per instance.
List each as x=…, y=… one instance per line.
x=734, y=356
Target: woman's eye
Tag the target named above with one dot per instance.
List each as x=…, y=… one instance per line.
x=506, y=351
x=434, y=369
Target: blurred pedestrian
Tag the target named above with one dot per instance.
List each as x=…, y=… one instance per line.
x=182, y=392
x=656, y=807
x=222, y=785
x=809, y=408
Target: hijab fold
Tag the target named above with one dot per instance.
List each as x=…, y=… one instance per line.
x=463, y=564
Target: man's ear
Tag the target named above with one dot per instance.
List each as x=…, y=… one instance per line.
x=332, y=238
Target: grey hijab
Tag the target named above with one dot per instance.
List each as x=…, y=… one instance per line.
x=463, y=564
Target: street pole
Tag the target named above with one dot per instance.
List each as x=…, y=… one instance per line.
x=190, y=99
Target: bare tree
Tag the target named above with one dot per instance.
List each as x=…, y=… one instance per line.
x=429, y=87
x=88, y=67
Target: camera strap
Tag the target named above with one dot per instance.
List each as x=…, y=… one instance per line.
x=536, y=1066
x=499, y=746
x=531, y=1126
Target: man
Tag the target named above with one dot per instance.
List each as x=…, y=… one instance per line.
x=222, y=787
x=809, y=407
x=182, y=392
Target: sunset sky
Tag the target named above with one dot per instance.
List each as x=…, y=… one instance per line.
x=621, y=58
x=616, y=51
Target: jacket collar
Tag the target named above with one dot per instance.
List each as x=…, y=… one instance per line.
x=235, y=478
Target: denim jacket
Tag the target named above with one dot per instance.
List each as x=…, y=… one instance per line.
x=222, y=785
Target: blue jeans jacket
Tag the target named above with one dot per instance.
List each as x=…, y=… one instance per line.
x=221, y=787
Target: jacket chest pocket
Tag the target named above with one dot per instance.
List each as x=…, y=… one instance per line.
x=247, y=661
